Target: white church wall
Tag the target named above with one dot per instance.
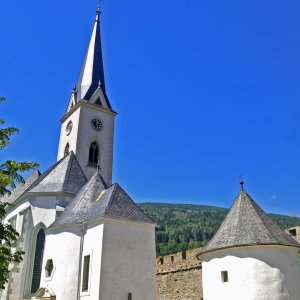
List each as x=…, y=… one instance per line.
x=32, y=214
x=63, y=247
x=260, y=273
x=82, y=135
x=104, y=138
x=93, y=247
x=128, y=261
x=69, y=138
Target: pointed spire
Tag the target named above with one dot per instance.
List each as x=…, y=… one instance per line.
x=92, y=70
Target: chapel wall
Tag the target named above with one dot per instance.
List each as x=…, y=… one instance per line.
x=179, y=276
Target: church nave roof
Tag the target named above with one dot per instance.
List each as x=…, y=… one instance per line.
x=97, y=200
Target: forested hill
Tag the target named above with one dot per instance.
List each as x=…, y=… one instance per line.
x=188, y=226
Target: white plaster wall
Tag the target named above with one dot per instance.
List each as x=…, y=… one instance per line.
x=72, y=137
x=105, y=139
x=41, y=212
x=128, y=261
x=254, y=273
x=63, y=247
x=93, y=246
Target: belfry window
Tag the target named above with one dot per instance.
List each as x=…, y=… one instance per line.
x=38, y=261
x=67, y=149
x=94, y=154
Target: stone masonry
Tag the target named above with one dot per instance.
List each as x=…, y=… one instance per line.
x=179, y=276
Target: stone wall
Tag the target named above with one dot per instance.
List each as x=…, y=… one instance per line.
x=294, y=232
x=179, y=276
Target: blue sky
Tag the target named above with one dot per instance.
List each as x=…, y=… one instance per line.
x=206, y=91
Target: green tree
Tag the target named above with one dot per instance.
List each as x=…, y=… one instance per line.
x=9, y=177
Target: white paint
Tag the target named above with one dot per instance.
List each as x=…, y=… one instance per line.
x=258, y=272
x=82, y=135
x=128, y=261
x=63, y=247
x=40, y=211
x=122, y=261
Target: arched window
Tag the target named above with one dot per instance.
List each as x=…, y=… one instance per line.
x=67, y=149
x=38, y=261
x=94, y=154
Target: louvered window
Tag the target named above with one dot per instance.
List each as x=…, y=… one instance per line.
x=38, y=261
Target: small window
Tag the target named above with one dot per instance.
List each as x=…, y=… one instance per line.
x=67, y=149
x=86, y=273
x=94, y=154
x=292, y=232
x=129, y=296
x=224, y=276
x=172, y=259
x=184, y=255
x=98, y=102
x=49, y=268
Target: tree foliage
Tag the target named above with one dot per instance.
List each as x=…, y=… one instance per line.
x=9, y=177
x=185, y=226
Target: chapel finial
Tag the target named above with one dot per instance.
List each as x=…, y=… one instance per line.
x=242, y=183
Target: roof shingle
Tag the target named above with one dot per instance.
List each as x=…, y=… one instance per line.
x=247, y=224
x=97, y=200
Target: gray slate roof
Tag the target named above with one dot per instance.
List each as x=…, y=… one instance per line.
x=97, y=200
x=21, y=188
x=247, y=224
x=65, y=176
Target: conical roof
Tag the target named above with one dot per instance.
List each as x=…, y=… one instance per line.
x=97, y=200
x=246, y=225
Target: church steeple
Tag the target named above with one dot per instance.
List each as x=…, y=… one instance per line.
x=91, y=77
x=88, y=125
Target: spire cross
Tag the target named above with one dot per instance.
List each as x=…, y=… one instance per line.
x=242, y=182
x=98, y=12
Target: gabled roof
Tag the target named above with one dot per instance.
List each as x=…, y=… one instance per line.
x=245, y=225
x=97, y=200
x=65, y=176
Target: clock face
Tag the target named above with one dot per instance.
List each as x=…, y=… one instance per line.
x=96, y=124
x=69, y=127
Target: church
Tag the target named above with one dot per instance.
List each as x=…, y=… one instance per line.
x=83, y=237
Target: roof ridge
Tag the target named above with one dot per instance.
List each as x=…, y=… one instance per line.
x=67, y=175
x=264, y=217
x=44, y=175
x=86, y=187
x=111, y=198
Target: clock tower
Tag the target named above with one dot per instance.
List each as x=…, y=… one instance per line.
x=88, y=125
